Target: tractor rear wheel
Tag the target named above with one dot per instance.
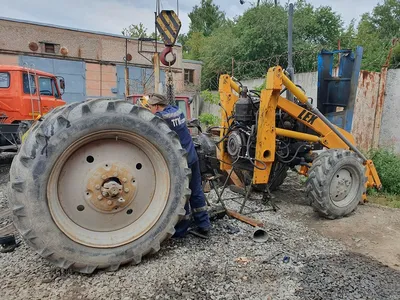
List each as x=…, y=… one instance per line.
x=98, y=184
x=336, y=183
x=276, y=178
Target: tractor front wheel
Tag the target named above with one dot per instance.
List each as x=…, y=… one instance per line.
x=336, y=183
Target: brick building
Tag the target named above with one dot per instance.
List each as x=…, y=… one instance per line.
x=92, y=63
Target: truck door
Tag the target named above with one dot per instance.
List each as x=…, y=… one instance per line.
x=49, y=93
x=30, y=106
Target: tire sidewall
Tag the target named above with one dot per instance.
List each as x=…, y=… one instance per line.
x=346, y=162
x=39, y=218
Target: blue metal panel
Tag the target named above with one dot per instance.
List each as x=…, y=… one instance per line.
x=338, y=91
x=336, y=118
x=342, y=119
x=72, y=71
x=137, y=76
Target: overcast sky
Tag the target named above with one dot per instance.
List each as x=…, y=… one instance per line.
x=112, y=16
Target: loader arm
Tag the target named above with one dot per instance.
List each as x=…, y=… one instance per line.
x=329, y=135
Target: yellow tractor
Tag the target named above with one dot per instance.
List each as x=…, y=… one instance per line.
x=102, y=183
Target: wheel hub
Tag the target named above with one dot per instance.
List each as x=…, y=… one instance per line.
x=341, y=185
x=111, y=188
x=108, y=188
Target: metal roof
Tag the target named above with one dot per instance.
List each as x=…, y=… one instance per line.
x=72, y=29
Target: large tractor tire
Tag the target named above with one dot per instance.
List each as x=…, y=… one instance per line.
x=336, y=183
x=98, y=184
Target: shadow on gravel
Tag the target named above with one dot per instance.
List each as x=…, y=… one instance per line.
x=5, y=164
x=6, y=158
x=347, y=276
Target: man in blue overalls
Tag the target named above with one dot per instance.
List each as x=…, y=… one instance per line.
x=159, y=105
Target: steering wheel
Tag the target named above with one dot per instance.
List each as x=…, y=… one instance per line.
x=46, y=93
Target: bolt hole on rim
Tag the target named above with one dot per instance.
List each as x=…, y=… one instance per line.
x=80, y=207
x=90, y=159
x=138, y=166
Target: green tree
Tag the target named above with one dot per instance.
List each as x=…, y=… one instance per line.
x=385, y=19
x=396, y=55
x=217, y=53
x=137, y=31
x=194, y=45
x=205, y=18
x=348, y=35
x=375, y=33
x=316, y=26
x=182, y=39
x=257, y=40
x=261, y=33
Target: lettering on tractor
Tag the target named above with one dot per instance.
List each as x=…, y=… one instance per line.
x=307, y=116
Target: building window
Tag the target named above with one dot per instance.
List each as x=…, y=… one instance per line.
x=189, y=75
x=4, y=80
x=49, y=48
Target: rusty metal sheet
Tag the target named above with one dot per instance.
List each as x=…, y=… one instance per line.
x=379, y=107
x=365, y=109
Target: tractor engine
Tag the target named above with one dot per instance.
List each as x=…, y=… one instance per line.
x=242, y=134
x=241, y=138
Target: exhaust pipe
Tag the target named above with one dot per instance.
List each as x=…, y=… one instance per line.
x=259, y=235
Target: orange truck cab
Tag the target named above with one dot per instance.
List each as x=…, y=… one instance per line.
x=26, y=93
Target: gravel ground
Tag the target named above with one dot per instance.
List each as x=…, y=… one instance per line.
x=230, y=265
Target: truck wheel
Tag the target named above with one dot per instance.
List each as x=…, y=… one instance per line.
x=336, y=183
x=98, y=184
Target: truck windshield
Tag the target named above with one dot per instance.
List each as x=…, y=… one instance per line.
x=182, y=106
x=45, y=86
x=4, y=80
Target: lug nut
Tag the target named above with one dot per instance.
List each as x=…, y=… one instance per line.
x=126, y=190
x=99, y=197
x=124, y=179
x=115, y=174
x=104, y=176
x=121, y=200
x=109, y=202
x=97, y=187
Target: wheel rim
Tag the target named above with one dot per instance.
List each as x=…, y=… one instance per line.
x=343, y=187
x=109, y=195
